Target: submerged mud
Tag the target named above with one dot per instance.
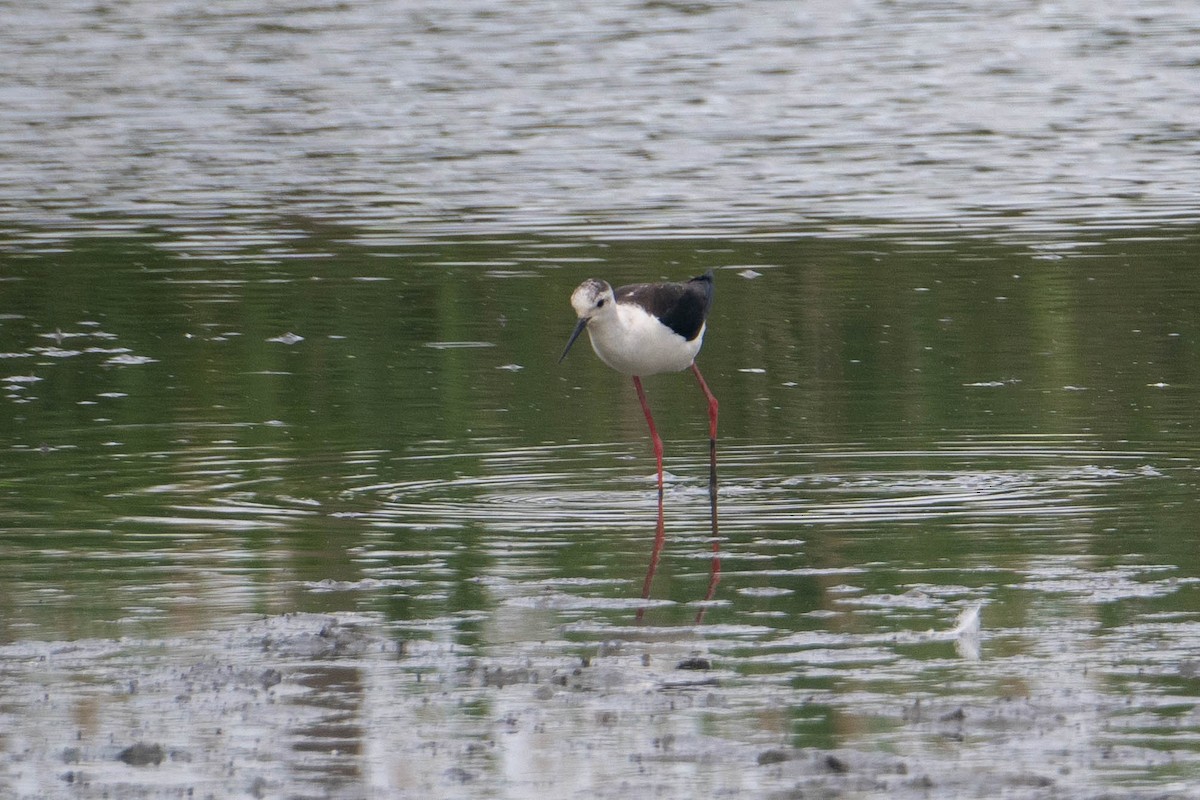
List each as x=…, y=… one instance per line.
x=342, y=706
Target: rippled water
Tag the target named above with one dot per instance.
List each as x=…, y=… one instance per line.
x=347, y=529
x=260, y=122
x=296, y=502
x=477, y=621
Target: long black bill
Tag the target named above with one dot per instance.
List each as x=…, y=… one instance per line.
x=574, y=335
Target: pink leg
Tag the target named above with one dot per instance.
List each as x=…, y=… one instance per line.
x=715, y=577
x=659, y=532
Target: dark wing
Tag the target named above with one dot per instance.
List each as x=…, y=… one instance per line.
x=682, y=307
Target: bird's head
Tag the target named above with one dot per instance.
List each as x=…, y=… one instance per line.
x=590, y=299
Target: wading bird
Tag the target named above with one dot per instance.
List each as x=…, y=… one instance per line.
x=644, y=329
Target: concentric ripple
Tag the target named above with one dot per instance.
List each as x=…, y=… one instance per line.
x=761, y=488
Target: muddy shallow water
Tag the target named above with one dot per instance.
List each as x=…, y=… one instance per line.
x=317, y=706
x=876, y=632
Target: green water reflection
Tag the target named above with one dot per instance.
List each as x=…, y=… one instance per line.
x=136, y=379
x=169, y=415
x=908, y=428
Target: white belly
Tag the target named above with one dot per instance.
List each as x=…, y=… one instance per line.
x=641, y=345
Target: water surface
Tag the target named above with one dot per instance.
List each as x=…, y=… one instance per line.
x=384, y=444
x=296, y=501
x=258, y=122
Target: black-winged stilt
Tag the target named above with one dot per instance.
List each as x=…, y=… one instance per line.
x=644, y=329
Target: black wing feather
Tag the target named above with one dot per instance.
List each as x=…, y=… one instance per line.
x=682, y=307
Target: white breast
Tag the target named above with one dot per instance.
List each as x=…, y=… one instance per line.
x=634, y=342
